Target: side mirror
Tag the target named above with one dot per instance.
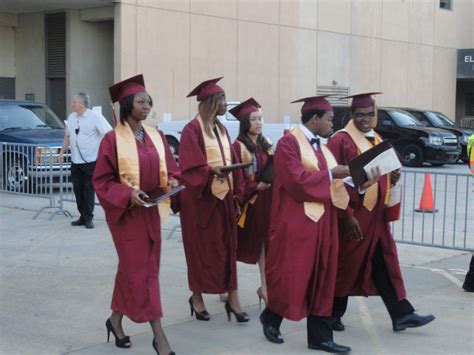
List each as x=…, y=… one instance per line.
x=387, y=123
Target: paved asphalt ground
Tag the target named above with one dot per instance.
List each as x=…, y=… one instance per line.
x=56, y=284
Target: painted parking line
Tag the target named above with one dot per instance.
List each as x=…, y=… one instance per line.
x=369, y=325
x=441, y=272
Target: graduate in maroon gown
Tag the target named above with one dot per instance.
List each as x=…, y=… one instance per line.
x=368, y=261
x=301, y=261
x=253, y=225
x=134, y=164
x=208, y=204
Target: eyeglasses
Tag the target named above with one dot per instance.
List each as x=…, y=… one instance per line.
x=362, y=115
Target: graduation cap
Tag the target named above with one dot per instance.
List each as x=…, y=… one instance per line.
x=245, y=108
x=362, y=100
x=118, y=92
x=206, y=88
x=315, y=103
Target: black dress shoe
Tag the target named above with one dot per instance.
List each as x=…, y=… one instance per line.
x=89, y=224
x=330, y=347
x=411, y=320
x=79, y=222
x=272, y=334
x=468, y=288
x=337, y=325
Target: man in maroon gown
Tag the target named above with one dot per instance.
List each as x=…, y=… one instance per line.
x=302, y=252
x=368, y=261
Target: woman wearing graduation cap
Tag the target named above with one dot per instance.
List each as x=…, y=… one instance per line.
x=253, y=223
x=208, y=204
x=368, y=261
x=135, y=164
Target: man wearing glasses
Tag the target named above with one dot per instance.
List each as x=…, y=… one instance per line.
x=368, y=262
x=84, y=131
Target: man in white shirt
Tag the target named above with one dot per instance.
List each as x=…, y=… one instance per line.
x=84, y=131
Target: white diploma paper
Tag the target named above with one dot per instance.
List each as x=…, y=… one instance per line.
x=387, y=162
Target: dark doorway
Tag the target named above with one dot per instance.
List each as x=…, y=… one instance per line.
x=56, y=62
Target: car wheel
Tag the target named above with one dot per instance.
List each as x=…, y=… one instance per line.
x=412, y=155
x=15, y=176
x=174, y=146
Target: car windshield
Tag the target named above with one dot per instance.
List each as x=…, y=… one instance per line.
x=439, y=120
x=403, y=119
x=28, y=117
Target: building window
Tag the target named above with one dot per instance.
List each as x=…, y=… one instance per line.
x=446, y=4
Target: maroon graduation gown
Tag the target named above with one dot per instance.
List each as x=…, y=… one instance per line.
x=208, y=223
x=301, y=261
x=254, y=235
x=135, y=231
x=354, y=275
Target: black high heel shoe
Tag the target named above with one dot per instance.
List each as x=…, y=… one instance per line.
x=239, y=317
x=199, y=315
x=119, y=343
x=156, y=349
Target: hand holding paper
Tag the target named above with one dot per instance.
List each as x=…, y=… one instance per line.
x=383, y=156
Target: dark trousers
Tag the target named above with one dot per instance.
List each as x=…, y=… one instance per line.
x=384, y=286
x=318, y=328
x=81, y=178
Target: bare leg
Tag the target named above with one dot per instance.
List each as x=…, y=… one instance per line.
x=116, y=320
x=261, y=266
x=234, y=301
x=160, y=341
x=198, y=302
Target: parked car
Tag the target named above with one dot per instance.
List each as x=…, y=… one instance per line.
x=437, y=119
x=30, y=138
x=415, y=143
x=173, y=129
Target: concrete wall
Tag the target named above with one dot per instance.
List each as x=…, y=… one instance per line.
x=274, y=50
x=7, y=39
x=280, y=50
x=89, y=60
x=30, y=56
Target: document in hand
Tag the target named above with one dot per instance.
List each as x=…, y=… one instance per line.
x=173, y=191
x=382, y=155
x=232, y=167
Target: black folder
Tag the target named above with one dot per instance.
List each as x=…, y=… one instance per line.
x=356, y=165
x=232, y=167
x=170, y=193
x=268, y=173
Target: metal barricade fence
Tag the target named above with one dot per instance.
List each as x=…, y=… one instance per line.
x=32, y=170
x=449, y=222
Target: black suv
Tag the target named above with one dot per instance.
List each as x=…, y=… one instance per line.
x=415, y=143
x=436, y=119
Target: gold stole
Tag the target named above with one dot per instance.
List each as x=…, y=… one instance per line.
x=220, y=186
x=246, y=157
x=371, y=193
x=129, y=168
x=339, y=195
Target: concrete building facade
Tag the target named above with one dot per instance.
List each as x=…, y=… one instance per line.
x=273, y=50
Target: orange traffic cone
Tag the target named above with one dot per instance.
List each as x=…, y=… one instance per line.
x=427, y=200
